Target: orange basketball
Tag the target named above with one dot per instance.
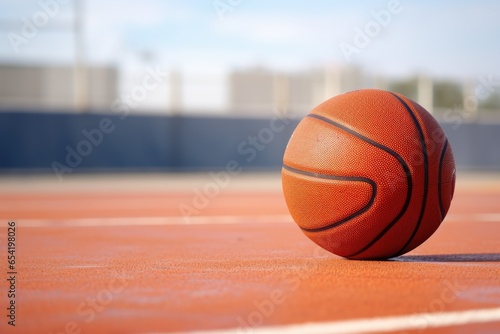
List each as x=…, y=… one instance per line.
x=368, y=175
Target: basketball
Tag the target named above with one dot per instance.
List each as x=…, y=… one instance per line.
x=368, y=174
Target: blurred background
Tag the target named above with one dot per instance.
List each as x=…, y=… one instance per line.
x=158, y=85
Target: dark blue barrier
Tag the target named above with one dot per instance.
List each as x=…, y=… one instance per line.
x=475, y=146
x=38, y=140
x=87, y=142
x=42, y=142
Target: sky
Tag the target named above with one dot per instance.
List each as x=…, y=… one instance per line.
x=454, y=39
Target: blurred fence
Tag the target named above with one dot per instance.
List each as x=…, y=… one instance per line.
x=242, y=92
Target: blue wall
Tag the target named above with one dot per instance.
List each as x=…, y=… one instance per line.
x=33, y=142
x=475, y=146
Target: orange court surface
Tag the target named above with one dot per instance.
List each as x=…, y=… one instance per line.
x=114, y=254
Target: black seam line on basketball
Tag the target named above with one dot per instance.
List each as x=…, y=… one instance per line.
x=440, y=179
x=426, y=172
x=338, y=178
x=397, y=157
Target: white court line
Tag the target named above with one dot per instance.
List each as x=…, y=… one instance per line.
x=150, y=221
x=477, y=217
x=375, y=325
x=206, y=220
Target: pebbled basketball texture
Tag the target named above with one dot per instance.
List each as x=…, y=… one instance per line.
x=368, y=175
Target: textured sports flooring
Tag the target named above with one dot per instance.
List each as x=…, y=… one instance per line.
x=113, y=254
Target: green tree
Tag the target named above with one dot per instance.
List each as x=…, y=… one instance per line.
x=447, y=94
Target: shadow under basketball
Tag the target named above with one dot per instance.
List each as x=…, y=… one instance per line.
x=479, y=257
